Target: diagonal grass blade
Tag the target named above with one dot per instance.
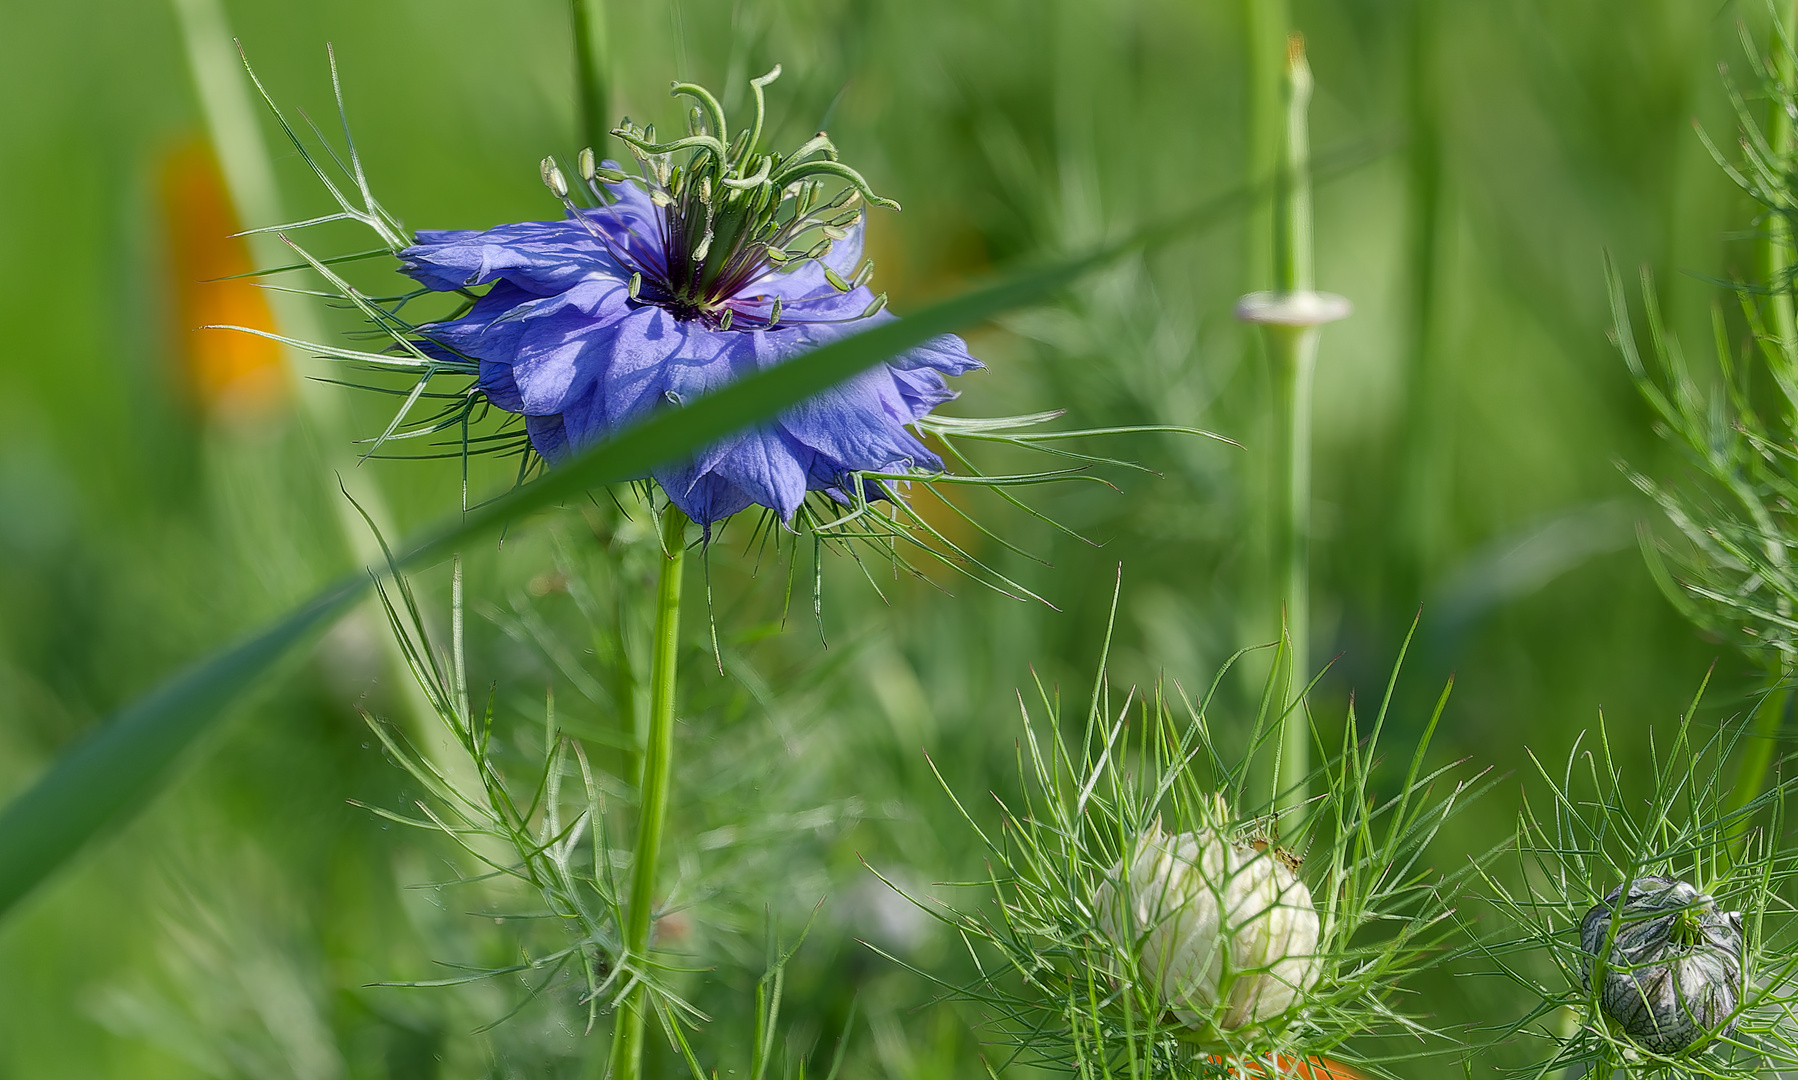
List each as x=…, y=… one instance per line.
x=115, y=770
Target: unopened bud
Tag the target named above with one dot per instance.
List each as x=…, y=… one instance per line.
x=1226, y=934
x=1675, y=971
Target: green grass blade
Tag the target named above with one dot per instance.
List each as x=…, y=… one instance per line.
x=111, y=774
x=114, y=771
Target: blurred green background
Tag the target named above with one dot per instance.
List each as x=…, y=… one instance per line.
x=1469, y=421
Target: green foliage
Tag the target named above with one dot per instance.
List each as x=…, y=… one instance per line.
x=1593, y=830
x=1061, y=990
x=135, y=534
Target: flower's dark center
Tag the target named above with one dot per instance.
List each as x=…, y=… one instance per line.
x=731, y=214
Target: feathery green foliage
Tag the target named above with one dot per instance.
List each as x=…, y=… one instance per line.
x=1594, y=828
x=1059, y=989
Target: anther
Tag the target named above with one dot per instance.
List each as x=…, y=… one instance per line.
x=774, y=314
x=587, y=164
x=836, y=280
x=636, y=285
x=724, y=320
x=553, y=178
x=874, y=308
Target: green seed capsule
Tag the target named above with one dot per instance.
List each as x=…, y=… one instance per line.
x=1675, y=971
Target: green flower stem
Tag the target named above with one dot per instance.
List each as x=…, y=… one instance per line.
x=1776, y=258
x=1292, y=352
x=1424, y=474
x=1266, y=23
x=652, y=810
x=587, y=21
x=1757, y=759
x=361, y=511
x=1776, y=252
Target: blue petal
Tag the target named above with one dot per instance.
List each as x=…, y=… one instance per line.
x=704, y=498
x=542, y=257
x=548, y=437
x=559, y=341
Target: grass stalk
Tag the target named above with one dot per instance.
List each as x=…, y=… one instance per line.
x=1757, y=758
x=592, y=71
x=1776, y=251
x=1292, y=354
x=1776, y=258
x=1267, y=25
x=1423, y=462
x=248, y=168
x=652, y=811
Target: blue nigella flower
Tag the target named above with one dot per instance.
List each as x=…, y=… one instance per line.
x=686, y=277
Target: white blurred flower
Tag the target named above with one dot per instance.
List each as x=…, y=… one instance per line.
x=1227, y=931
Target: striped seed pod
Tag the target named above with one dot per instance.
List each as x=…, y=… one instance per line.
x=1675, y=972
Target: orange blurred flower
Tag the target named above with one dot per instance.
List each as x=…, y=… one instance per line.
x=232, y=377
x=1285, y=1068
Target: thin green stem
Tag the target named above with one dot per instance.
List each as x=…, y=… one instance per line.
x=652, y=811
x=1757, y=760
x=1292, y=178
x=1292, y=352
x=1266, y=27
x=587, y=21
x=1776, y=250
x=1776, y=258
x=1420, y=514
x=358, y=504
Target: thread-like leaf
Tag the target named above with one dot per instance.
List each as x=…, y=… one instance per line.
x=115, y=770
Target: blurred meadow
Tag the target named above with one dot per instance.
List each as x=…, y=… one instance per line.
x=159, y=494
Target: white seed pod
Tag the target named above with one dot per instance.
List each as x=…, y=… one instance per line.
x=1228, y=933
x=1676, y=969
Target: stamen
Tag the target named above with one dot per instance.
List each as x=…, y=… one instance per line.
x=553, y=178
x=731, y=213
